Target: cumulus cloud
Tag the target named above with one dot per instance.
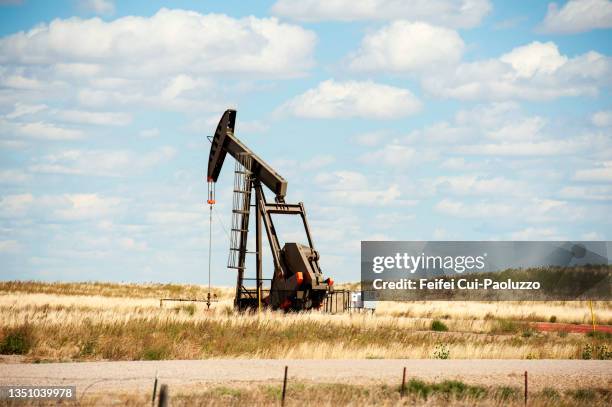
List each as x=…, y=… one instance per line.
x=95, y=118
x=115, y=163
x=404, y=47
x=528, y=148
x=175, y=60
x=63, y=207
x=9, y=246
x=601, y=173
x=332, y=99
x=453, y=13
x=578, y=16
x=13, y=176
x=104, y=7
x=149, y=133
x=82, y=206
x=15, y=205
x=590, y=192
x=392, y=154
x=479, y=185
x=602, y=118
x=170, y=41
x=531, y=210
x=39, y=130
x=536, y=71
x=354, y=188
x=24, y=109
x=532, y=233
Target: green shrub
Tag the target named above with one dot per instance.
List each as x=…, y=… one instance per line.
x=603, y=353
x=438, y=326
x=583, y=395
x=155, y=353
x=419, y=388
x=528, y=333
x=507, y=393
x=550, y=393
x=506, y=326
x=599, y=335
x=441, y=351
x=587, y=352
x=449, y=388
x=553, y=319
x=17, y=341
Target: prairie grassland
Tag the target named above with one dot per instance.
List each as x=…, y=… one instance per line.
x=416, y=393
x=76, y=322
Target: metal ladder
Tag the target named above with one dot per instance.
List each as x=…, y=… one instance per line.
x=241, y=209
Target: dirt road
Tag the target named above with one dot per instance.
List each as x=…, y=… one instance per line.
x=186, y=374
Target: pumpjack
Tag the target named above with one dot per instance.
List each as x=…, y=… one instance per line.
x=297, y=282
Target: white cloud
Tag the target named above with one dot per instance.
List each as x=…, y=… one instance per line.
x=175, y=60
x=602, y=118
x=105, y=7
x=353, y=188
x=532, y=233
x=534, y=58
x=9, y=246
x=149, y=133
x=59, y=207
x=528, y=128
x=592, y=236
x=393, y=155
x=39, y=130
x=533, y=149
x=404, y=47
x=460, y=164
x=536, y=71
x=455, y=13
x=371, y=138
x=13, y=176
x=179, y=217
x=82, y=206
x=530, y=210
x=479, y=185
x=601, y=173
x=590, y=193
x=169, y=42
x=331, y=99
x=23, y=109
x=128, y=243
x=95, y=118
x=578, y=16
x=15, y=205
x=113, y=163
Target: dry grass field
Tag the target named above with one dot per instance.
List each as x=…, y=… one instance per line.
x=101, y=321
x=417, y=392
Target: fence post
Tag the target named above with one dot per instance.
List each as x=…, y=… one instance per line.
x=163, y=396
x=284, y=387
x=525, y=387
x=402, y=389
x=154, y=390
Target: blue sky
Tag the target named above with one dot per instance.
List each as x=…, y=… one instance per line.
x=446, y=120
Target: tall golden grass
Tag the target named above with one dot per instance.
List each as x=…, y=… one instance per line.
x=416, y=393
x=76, y=322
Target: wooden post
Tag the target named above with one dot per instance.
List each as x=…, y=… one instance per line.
x=284, y=387
x=592, y=314
x=526, y=387
x=402, y=389
x=154, y=390
x=163, y=396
